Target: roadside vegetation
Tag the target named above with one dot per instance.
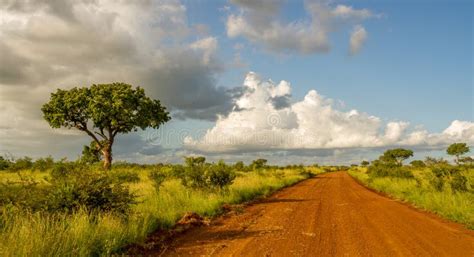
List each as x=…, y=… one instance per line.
x=432, y=184
x=61, y=208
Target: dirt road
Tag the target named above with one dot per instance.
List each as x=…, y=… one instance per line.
x=330, y=215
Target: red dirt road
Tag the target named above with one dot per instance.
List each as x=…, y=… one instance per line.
x=330, y=215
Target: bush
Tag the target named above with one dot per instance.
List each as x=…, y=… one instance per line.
x=239, y=166
x=378, y=169
x=157, y=178
x=21, y=164
x=259, y=164
x=200, y=175
x=43, y=164
x=459, y=183
x=5, y=163
x=219, y=175
x=443, y=174
x=63, y=169
x=417, y=164
x=90, y=190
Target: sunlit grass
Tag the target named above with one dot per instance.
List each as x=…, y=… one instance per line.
x=83, y=234
x=455, y=206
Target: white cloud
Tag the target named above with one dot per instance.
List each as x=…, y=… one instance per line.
x=259, y=22
x=312, y=124
x=357, y=40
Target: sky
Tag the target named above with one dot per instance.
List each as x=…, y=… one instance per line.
x=331, y=82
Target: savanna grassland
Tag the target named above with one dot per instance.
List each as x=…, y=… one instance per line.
x=433, y=184
x=70, y=209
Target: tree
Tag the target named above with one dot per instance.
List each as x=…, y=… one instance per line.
x=364, y=163
x=5, y=163
x=104, y=110
x=192, y=161
x=457, y=149
x=239, y=166
x=259, y=164
x=397, y=155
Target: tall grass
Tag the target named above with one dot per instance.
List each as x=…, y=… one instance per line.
x=455, y=206
x=83, y=234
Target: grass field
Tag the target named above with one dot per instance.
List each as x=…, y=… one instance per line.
x=25, y=233
x=453, y=205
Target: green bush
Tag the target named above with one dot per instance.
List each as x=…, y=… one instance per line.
x=157, y=178
x=43, y=164
x=459, y=183
x=380, y=169
x=90, y=190
x=5, y=163
x=443, y=174
x=63, y=169
x=219, y=175
x=21, y=164
x=417, y=164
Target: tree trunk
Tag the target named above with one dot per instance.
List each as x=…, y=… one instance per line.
x=107, y=153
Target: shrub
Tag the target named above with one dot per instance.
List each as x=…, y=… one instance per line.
x=194, y=173
x=220, y=175
x=459, y=183
x=417, y=164
x=62, y=169
x=5, y=163
x=90, y=190
x=239, y=166
x=443, y=174
x=21, y=164
x=157, y=178
x=379, y=169
x=258, y=164
x=42, y=164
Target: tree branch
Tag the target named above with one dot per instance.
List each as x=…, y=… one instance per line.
x=101, y=134
x=83, y=127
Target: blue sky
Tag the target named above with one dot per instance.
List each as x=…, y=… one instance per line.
x=416, y=64
x=409, y=75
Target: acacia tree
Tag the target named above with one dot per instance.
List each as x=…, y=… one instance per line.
x=397, y=155
x=457, y=149
x=104, y=110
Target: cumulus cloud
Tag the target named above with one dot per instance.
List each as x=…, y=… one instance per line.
x=259, y=22
x=313, y=123
x=60, y=44
x=357, y=40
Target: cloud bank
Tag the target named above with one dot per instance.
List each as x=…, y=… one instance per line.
x=314, y=123
x=61, y=44
x=260, y=22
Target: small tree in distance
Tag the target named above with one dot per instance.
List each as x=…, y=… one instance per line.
x=397, y=155
x=457, y=149
x=103, y=111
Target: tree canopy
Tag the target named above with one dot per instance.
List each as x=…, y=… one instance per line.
x=104, y=110
x=457, y=149
x=397, y=155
